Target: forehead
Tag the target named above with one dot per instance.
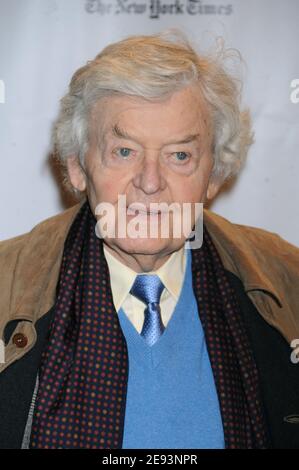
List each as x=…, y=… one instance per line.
x=184, y=111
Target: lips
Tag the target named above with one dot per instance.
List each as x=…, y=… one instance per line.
x=138, y=210
x=142, y=212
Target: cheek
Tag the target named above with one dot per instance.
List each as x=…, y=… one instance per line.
x=107, y=187
x=102, y=186
x=105, y=190
x=200, y=180
x=191, y=189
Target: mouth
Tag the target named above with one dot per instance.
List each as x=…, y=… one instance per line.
x=135, y=209
x=138, y=211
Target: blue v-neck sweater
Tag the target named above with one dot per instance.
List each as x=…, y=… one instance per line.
x=172, y=401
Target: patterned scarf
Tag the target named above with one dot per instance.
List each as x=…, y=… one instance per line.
x=83, y=373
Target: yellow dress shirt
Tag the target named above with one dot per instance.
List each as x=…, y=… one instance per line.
x=122, y=278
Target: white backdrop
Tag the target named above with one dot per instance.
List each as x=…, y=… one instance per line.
x=42, y=42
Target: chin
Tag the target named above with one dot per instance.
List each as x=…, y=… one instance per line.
x=143, y=246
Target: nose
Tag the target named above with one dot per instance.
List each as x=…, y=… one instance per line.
x=149, y=176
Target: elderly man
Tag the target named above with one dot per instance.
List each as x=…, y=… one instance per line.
x=149, y=342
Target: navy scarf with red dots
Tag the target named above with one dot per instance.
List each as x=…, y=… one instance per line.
x=83, y=373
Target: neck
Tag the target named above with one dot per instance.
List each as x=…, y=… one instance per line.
x=140, y=262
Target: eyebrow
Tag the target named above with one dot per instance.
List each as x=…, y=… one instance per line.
x=123, y=134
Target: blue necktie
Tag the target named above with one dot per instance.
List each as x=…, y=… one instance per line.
x=148, y=288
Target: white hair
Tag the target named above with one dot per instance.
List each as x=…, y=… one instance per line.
x=153, y=67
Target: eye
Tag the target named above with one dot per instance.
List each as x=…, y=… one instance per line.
x=181, y=156
x=123, y=152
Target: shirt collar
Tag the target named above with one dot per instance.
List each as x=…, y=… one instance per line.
x=122, y=277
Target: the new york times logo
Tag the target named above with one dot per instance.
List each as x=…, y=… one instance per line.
x=156, y=8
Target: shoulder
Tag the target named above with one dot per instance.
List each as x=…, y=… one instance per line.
x=263, y=260
x=267, y=265
x=253, y=238
x=272, y=247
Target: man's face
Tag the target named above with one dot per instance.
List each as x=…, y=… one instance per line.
x=150, y=153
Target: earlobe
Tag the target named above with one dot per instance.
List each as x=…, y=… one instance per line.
x=212, y=189
x=76, y=173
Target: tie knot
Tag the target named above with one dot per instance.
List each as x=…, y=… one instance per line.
x=147, y=288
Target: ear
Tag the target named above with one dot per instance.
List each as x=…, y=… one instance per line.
x=76, y=172
x=213, y=187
